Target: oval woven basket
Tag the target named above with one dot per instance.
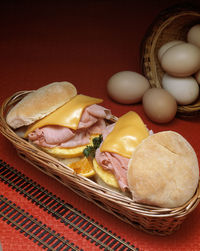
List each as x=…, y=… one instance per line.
x=171, y=24
x=153, y=220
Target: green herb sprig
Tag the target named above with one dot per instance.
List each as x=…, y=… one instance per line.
x=89, y=151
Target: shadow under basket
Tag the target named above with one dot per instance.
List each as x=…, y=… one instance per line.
x=171, y=24
x=153, y=220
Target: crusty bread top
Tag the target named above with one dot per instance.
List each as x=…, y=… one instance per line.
x=163, y=170
x=39, y=103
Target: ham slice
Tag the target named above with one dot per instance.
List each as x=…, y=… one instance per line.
x=52, y=134
x=92, y=114
x=113, y=162
x=81, y=138
x=91, y=122
x=98, y=127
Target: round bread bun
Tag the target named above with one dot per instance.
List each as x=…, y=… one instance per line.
x=39, y=103
x=163, y=170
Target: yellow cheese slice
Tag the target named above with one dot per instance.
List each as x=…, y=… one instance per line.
x=67, y=115
x=128, y=132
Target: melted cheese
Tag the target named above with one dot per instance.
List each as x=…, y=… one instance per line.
x=128, y=132
x=67, y=115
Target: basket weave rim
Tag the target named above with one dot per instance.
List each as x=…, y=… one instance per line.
x=126, y=202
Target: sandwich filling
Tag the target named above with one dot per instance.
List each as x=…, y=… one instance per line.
x=71, y=125
x=119, y=142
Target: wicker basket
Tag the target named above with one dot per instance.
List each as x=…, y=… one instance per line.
x=153, y=220
x=171, y=24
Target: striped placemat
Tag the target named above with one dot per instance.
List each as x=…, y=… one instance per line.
x=65, y=213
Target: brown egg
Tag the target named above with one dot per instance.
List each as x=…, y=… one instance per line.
x=159, y=105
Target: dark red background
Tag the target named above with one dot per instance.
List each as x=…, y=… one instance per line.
x=85, y=43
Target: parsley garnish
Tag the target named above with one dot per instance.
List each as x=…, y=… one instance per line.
x=89, y=151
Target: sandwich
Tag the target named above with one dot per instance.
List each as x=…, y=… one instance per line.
x=119, y=142
x=58, y=120
x=158, y=169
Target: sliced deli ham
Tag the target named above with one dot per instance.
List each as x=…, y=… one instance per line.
x=52, y=134
x=93, y=114
x=81, y=138
x=91, y=122
x=113, y=162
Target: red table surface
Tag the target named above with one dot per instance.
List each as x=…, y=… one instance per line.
x=85, y=43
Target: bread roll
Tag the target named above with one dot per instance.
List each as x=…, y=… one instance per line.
x=163, y=170
x=40, y=103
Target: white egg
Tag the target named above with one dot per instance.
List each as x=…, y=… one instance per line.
x=193, y=35
x=181, y=60
x=127, y=87
x=184, y=90
x=166, y=46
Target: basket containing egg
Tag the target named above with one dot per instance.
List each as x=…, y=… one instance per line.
x=170, y=55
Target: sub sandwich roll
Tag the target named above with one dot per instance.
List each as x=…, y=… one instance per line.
x=119, y=141
x=163, y=170
x=68, y=127
x=39, y=103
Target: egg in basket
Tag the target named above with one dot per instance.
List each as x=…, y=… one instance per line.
x=170, y=54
